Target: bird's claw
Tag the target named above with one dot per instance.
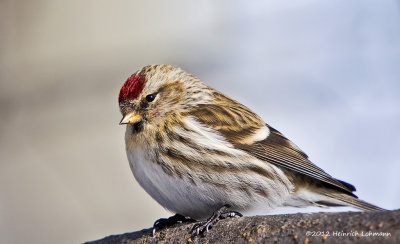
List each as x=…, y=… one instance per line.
x=222, y=213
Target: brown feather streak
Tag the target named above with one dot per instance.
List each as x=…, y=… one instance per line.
x=275, y=149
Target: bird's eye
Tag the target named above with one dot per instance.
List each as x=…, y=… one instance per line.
x=150, y=97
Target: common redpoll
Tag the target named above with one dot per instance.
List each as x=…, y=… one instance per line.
x=196, y=151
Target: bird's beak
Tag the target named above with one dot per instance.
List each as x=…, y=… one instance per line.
x=130, y=118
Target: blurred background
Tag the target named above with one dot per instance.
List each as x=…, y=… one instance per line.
x=324, y=73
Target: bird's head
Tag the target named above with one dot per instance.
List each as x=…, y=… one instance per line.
x=155, y=92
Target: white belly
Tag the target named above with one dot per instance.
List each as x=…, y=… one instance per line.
x=199, y=200
x=175, y=194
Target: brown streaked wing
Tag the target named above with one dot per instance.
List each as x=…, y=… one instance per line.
x=235, y=122
x=278, y=150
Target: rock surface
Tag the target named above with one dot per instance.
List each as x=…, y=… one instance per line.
x=345, y=227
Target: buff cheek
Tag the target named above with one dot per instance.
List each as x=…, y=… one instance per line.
x=156, y=112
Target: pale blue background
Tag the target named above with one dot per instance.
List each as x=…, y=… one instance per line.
x=324, y=73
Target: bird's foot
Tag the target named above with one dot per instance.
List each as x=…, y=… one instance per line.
x=164, y=223
x=221, y=213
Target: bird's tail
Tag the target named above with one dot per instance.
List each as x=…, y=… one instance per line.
x=350, y=201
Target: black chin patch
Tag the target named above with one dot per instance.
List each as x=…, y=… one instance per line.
x=138, y=126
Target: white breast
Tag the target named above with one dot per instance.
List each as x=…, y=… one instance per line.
x=200, y=200
x=175, y=194
x=205, y=191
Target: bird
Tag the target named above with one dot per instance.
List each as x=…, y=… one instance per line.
x=204, y=156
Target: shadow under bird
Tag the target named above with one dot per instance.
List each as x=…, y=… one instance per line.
x=204, y=156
